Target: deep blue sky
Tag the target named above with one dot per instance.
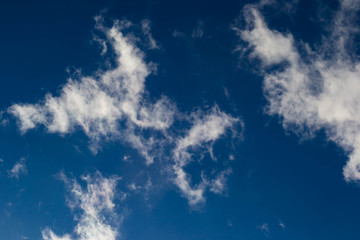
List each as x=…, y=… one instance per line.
x=276, y=176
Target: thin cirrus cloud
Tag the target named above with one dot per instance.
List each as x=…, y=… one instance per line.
x=312, y=89
x=113, y=104
x=204, y=131
x=146, y=29
x=18, y=169
x=97, y=219
x=264, y=228
x=198, y=32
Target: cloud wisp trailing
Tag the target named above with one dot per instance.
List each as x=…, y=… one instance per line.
x=311, y=89
x=205, y=130
x=97, y=219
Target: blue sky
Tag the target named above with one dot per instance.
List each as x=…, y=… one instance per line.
x=179, y=120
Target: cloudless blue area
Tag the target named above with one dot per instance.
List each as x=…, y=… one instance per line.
x=276, y=177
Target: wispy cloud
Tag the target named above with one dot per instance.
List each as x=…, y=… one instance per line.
x=264, y=228
x=282, y=225
x=3, y=121
x=229, y=223
x=97, y=104
x=113, y=104
x=312, y=89
x=97, y=220
x=178, y=34
x=18, y=169
x=198, y=32
x=218, y=184
x=206, y=129
x=146, y=29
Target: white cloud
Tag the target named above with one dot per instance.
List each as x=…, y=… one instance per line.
x=271, y=47
x=127, y=158
x=97, y=220
x=97, y=104
x=113, y=104
x=47, y=234
x=312, y=89
x=18, y=169
x=206, y=129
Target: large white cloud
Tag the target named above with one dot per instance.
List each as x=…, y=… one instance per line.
x=97, y=219
x=97, y=104
x=113, y=104
x=312, y=89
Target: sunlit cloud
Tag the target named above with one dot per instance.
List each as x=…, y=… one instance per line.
x=97, y=219
x=311, y=88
